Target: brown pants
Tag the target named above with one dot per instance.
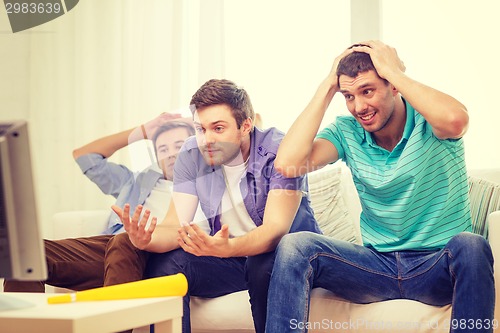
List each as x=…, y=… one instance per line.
x=85, y=263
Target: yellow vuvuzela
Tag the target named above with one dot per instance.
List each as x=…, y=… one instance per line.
x=172, y=285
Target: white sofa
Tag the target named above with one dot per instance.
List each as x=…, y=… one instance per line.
x=334, y=199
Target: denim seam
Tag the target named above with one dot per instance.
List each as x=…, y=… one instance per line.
x=450, y=256
x=322, y=254
x=400, y=278
x=452, y=307
x=445, y=252
x=308, y=295
x=452, y=273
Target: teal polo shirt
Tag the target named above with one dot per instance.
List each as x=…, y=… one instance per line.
x=414, y=197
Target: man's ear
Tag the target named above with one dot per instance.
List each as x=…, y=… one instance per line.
x=394, y=90
x=247, y=126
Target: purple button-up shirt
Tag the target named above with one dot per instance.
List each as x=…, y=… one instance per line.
x=192, y=175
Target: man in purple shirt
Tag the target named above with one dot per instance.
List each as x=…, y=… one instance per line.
x=228, y=169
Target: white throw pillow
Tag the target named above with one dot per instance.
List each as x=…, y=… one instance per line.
x=328, y=204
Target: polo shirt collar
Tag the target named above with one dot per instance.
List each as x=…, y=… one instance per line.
x=410, y=120
x=409, y=125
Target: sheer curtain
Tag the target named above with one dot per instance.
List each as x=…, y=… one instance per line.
x=107, y=66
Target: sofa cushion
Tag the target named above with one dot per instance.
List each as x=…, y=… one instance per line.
x=231, y=313
x=484, y=199
x=328, y=204
x=332, y=314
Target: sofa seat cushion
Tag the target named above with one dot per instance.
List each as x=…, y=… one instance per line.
x=231, y=313
x=331, y=314
x=228, y=313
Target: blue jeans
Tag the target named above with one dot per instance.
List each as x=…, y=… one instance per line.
x=211, y=277
x=460, y=274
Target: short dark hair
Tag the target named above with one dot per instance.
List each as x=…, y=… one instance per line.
x=355, y=63
x=168, y=126
x=215, y=91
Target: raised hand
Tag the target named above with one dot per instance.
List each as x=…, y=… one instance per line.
x=136, y=227
x=151, y=126
x=333, y=72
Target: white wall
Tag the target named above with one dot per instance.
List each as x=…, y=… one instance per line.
x=452, y=46
x=14, y=72
x=279, y=51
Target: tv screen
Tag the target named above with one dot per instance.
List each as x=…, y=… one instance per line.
x=22, y=254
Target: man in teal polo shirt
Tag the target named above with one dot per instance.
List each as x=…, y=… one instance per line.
x=403, y=144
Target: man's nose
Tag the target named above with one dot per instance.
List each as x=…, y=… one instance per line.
x=208, y=138
x=359, y=105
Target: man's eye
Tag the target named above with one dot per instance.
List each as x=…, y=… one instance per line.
x=348, y=97
x=219, y=129
x=199, y=129
x=368, y=91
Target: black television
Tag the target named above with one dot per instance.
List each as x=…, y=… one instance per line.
x=22, y=255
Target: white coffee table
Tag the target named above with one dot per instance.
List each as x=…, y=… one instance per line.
x=95, y=317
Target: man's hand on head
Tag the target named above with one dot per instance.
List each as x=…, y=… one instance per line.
x=333, y=72
x=151, y=126
x=384, y=57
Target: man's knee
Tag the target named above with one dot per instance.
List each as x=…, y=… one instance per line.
x=293, y=246
x=121, y=246
x=123, y=262
x=473, y=248
x=469, y=242
x=120, y=241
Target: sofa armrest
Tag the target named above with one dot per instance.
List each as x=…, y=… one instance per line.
x=494, y=235
x=80, y=223
x=494, y=240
